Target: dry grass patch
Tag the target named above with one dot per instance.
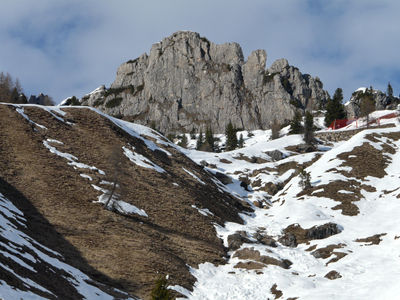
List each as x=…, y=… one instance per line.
x=276, y=292
x=254, y=255
x=371, y=240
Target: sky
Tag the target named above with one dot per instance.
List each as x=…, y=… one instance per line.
x=69, y=47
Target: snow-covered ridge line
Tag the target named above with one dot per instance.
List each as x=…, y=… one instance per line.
x=135, y=130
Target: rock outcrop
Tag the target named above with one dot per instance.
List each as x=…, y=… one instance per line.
x=188, y=82
x=382, y=101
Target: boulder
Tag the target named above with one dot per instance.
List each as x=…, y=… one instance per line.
x=236, y=240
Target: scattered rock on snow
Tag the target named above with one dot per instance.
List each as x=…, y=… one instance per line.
x=275, y=155
x=332, y=275
x=323, y=231
x=265, y=239
x=251, y=254
x=237, y=239
x=225, y=179
x=295, y=234
x=372, y=240
x=276, y=292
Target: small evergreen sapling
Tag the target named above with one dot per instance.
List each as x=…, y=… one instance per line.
x=231, y=138
x=334, y=108
x=241, y=141
x=184, y=141
x=309, y=128
x=295, y=124
x=160, y=290
x=200, y=140
x=305, y=178
x=210, y=139
x=389, y=90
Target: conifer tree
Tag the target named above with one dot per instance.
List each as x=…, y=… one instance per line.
x=389, y=90
x=334, y=108
x=183, y=142
x=160, y=290
x=231, y=138
x=295, y=124
x=193, y=134
x=241, y=141
x=210, y=138
x=367, y=104
x=200, y=140
x=309, y=128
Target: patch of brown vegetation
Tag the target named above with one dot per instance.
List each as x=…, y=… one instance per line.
x=253, y=159
x=311, y=248
x=332, y=275
x=130, y=251
x=249, y=265
x=326, y=251
x=276, y=292
x=372, y=240
x=346, y=200
x=254, y=255
x=377, y=160
x=225, y=161
x=329, y=251
x=339, y=255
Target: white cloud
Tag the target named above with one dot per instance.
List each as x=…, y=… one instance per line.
x=70, y=47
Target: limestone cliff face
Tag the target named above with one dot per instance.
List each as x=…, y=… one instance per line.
x=189, y=82
x=382, y=101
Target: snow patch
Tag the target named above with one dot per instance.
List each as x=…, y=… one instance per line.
x=141, y=161
x=194, y=176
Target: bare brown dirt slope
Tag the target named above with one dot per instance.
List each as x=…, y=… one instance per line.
x=130, y=251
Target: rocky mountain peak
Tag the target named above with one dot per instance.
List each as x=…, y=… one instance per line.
x=188, y=83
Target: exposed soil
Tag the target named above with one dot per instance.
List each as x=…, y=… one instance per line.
x=329, y=251
x=371, y=240
x=249, y=265
x=276, y=292
x=253, y=159
x=332, y=275
x=129, y=252
x=254, y=255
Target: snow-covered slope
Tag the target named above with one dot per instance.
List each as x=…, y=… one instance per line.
x=341, y=236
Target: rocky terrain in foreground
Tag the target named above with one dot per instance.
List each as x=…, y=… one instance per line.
x=188, y=83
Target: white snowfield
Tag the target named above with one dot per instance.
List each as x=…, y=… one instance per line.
x=368, y=271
